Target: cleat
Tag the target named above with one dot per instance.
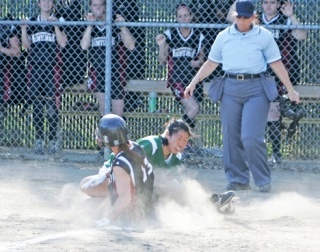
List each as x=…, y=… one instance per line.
x=53, y=147
x=224, y=202
x=39, y=147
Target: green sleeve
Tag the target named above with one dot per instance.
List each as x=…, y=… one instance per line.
x=108, y=163
x=146, y=145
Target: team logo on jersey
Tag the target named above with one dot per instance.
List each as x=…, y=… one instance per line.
x=183, y=52
x=101, y=41
x=43, y=37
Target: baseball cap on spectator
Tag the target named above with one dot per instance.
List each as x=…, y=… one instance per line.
x=244, y=8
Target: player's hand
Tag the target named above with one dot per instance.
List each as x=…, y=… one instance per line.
x=196, y=63
x=94, y=181
x=160, y=39
x=52, y=18
x=256, y=19
x=105, y=171
x=287, y=9
x=119, y=18
x=90, y=17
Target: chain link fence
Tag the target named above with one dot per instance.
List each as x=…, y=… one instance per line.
x=53, y=92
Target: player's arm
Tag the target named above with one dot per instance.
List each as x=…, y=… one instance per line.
x=287, y=10
x=199, y=61
x=126, y=36
x=163, y=48
x=298, y=34
x=123, y=182
x=86, y=37
x=61, y=36
x=14, y=49
x=24, y=36
x=231, y=16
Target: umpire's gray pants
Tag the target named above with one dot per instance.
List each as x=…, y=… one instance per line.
x=244, y=110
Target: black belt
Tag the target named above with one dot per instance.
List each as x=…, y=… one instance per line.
x=242, y=76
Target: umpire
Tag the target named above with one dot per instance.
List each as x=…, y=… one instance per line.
x=244, y=50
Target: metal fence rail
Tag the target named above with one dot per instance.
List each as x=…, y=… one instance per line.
x=141, y=72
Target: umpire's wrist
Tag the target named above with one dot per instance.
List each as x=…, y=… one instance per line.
x=290, y=89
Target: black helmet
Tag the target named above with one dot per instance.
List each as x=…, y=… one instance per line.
x=113, y=130
x=293, y=111
x=290, y=109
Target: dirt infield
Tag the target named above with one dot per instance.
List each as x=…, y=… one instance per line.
x=42, y=209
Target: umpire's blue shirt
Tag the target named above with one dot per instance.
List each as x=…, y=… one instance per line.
x=244, y=52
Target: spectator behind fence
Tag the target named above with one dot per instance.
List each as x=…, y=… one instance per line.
x=74, y=58
x=275, y=13
x=181, y=48
x=287, y=42
x=211, y=12
x=134, y=64
x=9, y=47
x=244, y=50
x=94, y=39
x=15, y=77
x=43, y=43
x=127, y=178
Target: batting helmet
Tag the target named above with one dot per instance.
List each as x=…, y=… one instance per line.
x=113, y=130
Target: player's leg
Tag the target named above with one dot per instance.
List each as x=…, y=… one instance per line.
x=53, y=120
x=38, y=120
x=118, y=107
x=117, y=96
x=101, y=101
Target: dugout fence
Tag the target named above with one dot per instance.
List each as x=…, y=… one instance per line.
x=142, y=73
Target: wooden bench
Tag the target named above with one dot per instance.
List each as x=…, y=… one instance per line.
x=159, y=86
x=308, y=94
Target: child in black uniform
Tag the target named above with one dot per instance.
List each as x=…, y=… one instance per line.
x=43, y=42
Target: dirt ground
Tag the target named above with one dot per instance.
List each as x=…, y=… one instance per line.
x=42, y=209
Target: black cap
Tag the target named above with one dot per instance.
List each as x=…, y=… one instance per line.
x=245, y=8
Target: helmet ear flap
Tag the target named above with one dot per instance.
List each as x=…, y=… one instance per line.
x=113, y=130
x=99, y=138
